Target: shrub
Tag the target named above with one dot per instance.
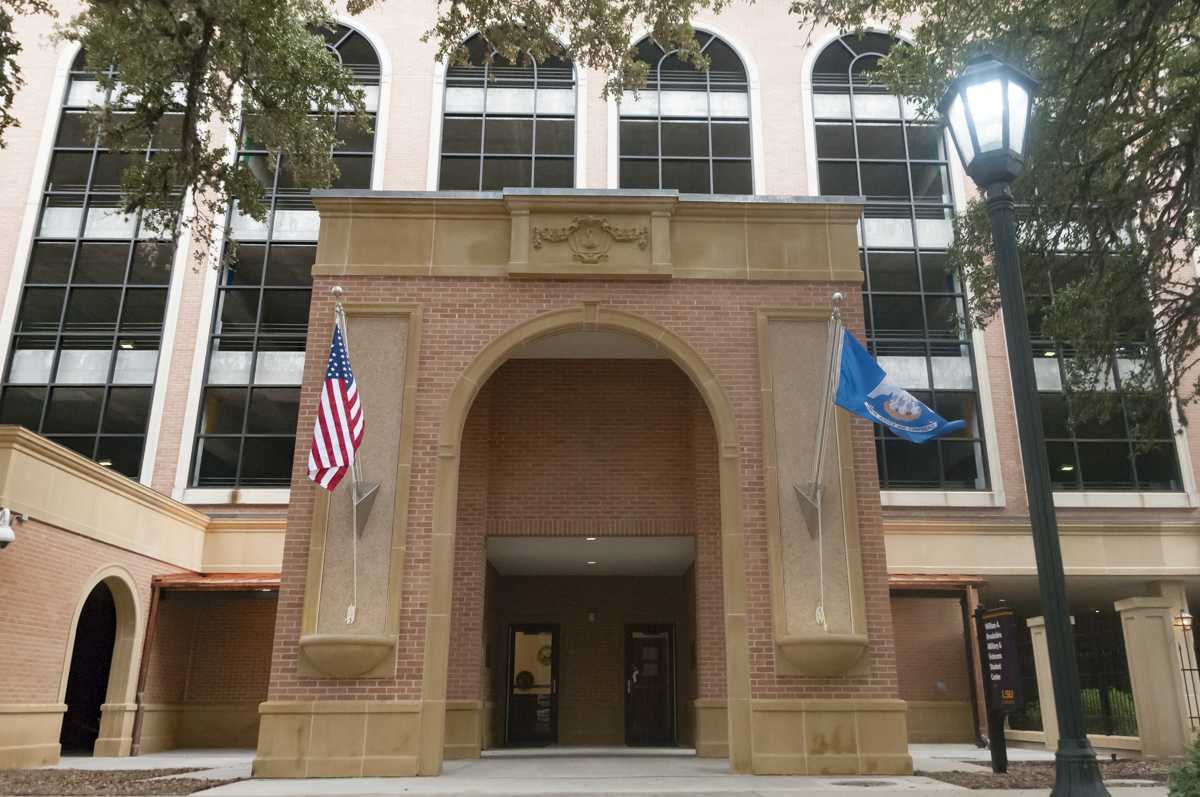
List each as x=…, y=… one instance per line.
x=1184, y=780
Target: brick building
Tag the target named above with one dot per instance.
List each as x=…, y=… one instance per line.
x=590, y=338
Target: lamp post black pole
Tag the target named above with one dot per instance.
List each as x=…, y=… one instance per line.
x=1076, y=772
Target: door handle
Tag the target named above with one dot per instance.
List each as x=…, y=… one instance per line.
x=554, y=686
x=628, y=687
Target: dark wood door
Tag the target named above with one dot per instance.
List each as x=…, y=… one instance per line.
x=649, y=685
x=533, y=685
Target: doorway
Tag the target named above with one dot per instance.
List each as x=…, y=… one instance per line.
x=533, y=685
x=649, y=686
x=87, y=678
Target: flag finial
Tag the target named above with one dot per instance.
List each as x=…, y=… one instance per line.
x=336, y=290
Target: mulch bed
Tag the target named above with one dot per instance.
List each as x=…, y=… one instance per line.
x=81, y=782
x=1040, y=774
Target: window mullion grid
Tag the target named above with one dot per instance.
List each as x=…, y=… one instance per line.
x=256, y=338
x=708, y=125
x=69, y=288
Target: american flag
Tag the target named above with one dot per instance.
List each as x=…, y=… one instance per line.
x=339, y=427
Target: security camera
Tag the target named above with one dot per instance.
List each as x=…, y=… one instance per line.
x=6, y=531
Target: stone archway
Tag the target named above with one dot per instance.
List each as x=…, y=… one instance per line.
x=116, y=719
x=587, y=316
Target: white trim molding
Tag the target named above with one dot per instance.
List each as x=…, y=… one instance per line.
x=199, y=496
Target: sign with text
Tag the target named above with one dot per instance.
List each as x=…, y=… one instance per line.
x=1001, y=670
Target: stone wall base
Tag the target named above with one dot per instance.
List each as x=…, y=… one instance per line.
x=712, y=728
x=29, y=734
x=169, y=726
x=940, y=721
x=829, y=737
x=338, y=739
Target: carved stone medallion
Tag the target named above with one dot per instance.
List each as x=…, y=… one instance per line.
x=590, y=237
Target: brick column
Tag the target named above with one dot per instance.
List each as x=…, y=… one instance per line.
x=1158, y=693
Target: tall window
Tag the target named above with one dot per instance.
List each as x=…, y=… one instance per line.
x=1098, y=454
x=688, y=129
x=246, y=429
x=89, y=324
x=508, y=126
x=871, y=143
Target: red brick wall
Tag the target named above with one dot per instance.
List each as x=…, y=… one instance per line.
x=212, y=647
x=931, y=657
x=43, y=576
x=460, y=317
x=590, y=445
x=574, y=447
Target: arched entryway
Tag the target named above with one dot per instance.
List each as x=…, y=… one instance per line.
x=99, y=667
x=87, y=678
x=586, y=318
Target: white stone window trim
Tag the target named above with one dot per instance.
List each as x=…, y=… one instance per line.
x=199, y=496
x=995, y=496
x=437, y=112
x=758, y=173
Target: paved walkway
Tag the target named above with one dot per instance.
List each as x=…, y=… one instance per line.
x=596, y=772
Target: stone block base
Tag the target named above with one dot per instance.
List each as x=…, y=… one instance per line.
x=168, y=726
x=829, y=737
x=338, y=739
x=29, y=734
x=712, y=728
x=940, y=721
x=464, y=729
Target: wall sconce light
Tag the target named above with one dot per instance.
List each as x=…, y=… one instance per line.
x=1183, y=622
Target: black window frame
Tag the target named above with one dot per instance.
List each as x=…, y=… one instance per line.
x=292, y=337
x=911, y=207
x=107, y=442
x=487, y=75
x=707, y=81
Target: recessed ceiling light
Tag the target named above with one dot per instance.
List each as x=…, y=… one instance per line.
x=126, y=344
x=104, y=463
x=1066, y=468
x=1049, y=354
x=591, y=561
x=590, y=539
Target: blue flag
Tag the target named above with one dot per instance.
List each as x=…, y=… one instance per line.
x=865, y=389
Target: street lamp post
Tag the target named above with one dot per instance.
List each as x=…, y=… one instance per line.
x=987, y=109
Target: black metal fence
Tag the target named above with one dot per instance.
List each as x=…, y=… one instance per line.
x=1189, y=654
x=1104, y=674
x=1106, y=692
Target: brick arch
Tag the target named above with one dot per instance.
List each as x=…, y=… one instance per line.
x=585, y=317
x=122, y=675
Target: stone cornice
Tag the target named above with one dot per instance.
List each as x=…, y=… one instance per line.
x=587, y=234
x=17, y=439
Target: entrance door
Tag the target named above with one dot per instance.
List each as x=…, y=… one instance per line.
x=649, y=685
x=533, y=685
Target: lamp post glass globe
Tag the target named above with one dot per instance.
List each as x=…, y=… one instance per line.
x=987, y=109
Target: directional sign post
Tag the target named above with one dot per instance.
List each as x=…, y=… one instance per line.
x=997, y=632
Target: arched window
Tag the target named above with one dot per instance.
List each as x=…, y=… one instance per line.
x=871, y=143
x=246, y=426
x=507, y=126
x=85, y=343
x=688, y=129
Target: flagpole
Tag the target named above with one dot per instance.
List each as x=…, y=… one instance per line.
x=362, y=493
